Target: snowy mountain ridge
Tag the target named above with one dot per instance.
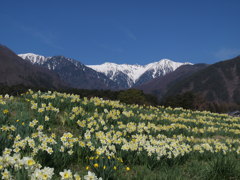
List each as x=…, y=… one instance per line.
x=134, y=72
x=34, y=58
x=41, y=60
x=124, y=75
x=111, y=69
x=72, y=72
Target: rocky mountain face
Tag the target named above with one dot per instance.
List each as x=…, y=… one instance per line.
x=128, y=76
x=15, y=71
x=73, y=72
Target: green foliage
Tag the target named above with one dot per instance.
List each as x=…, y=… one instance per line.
x=105, y=166
x=193, y=101
x=186, y=100
x=172, y=132
x=134, y=96
x=130, y=96
x=223, y=168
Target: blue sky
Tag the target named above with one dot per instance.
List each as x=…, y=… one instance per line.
x=123, y=31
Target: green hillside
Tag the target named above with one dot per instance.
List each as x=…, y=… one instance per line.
x=54, y=135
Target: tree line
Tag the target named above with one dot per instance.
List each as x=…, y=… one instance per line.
x=187, y=100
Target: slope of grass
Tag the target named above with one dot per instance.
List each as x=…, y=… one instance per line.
x=64, y=136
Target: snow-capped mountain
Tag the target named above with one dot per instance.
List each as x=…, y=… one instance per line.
x=127, y=74
x=15, y=71
x=34, y=58
x=104, y=76
x=51, y=62
x=131, y=75
x=73, y=72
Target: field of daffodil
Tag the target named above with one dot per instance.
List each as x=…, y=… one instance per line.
x=51, y=135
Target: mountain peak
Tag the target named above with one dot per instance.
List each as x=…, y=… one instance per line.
x=165, y=60
x=29, y=54
x=109, y=63
x=133, y=73
x=73, y=72
x=34, y=58
x=15, y=71
x=125, y=75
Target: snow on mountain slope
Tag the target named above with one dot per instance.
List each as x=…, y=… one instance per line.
x=124, y=75
x=34, y=58
x=113, y=70
x=73, y=72
x=42, y=60
x=134, y=72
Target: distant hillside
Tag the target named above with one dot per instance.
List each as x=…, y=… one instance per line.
x=160, y=86
x=15, y=71
x=219, y=82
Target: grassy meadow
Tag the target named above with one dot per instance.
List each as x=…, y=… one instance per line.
x=51, y=135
